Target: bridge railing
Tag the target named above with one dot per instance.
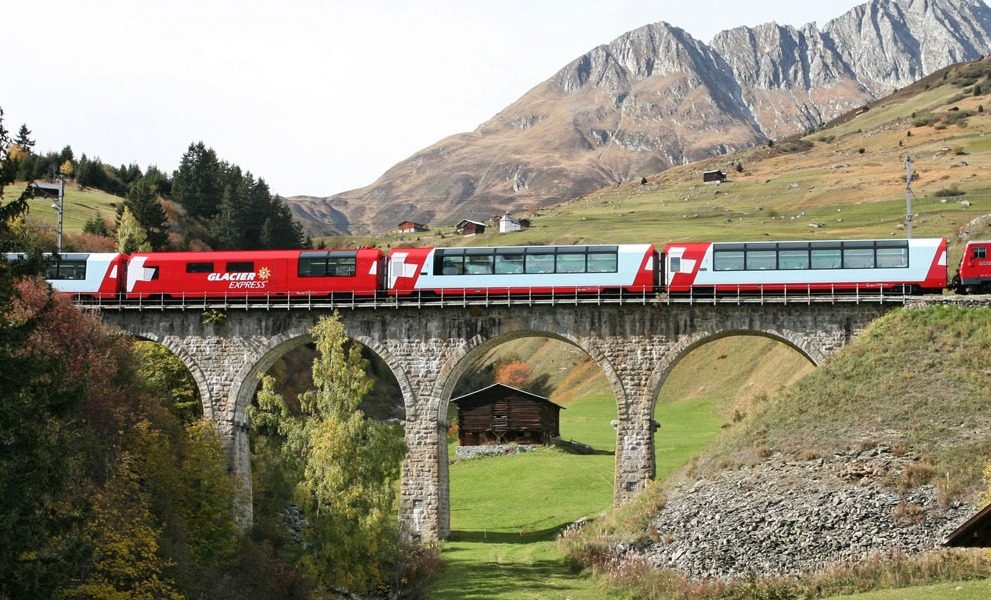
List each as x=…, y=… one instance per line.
x=382, y=299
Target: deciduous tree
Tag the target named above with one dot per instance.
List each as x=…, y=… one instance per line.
x=345, y=465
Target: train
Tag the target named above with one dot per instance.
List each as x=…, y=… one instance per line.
x=678, y=269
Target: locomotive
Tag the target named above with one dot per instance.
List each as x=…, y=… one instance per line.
x=698, y=268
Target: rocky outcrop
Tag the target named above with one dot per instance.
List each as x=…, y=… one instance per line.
x=656, y=97
x=787, y=518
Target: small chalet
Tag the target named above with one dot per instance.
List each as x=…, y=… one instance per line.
x=508, y=223
x=713, y=177
x=501, y=414
x=975, y=533
x=468, y=227
x=411, y=227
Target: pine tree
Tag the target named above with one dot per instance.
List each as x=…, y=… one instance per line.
x=196, y=184
x=147, y=208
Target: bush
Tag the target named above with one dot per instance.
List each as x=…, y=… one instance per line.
x=949, y=192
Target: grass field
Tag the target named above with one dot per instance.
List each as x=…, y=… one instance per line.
x=957, y=590
x=80, y=205
x=506, y=512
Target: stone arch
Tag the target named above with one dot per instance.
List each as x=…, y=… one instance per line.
x=250, y=374
x=458, y=363
x=175, y=346
x=684, y=346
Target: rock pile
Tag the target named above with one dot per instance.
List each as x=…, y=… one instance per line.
x=785, y=518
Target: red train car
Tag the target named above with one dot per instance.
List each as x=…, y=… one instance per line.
x=974, y=273
x=806, y=266
x=255, y=273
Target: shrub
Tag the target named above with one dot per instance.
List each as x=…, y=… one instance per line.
x=949, y=192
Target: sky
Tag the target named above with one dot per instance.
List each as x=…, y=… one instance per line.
x=316, y=97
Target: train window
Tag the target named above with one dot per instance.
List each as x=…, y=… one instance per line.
x=571, y=263
x=313, y=264
x=453, y=265
x=827, y=258
x=727, y=260
x=858, y=258
x=793, y=259
x=674, y=264
x=241, y=267
x=199, y=267
x=602, y=262
x=478, y=264
x=762, y=260
x=508, y=264
x=980, y=251
x=539, y=263
x=889, y=258
x=66, y=270
x=341, y=266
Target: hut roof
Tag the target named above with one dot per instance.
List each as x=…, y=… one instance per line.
x=496, y=387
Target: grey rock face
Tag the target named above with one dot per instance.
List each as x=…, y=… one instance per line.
x=787, y=518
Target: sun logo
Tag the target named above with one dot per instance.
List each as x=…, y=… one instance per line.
x=264, y=273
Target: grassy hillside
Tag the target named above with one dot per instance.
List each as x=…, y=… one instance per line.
x=916, y=381
x=80, y=205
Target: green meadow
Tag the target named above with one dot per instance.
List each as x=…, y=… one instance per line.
x=507, y=511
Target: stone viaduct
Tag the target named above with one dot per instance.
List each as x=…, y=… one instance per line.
x=429, y=348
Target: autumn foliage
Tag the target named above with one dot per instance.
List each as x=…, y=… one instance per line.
x=514, y=374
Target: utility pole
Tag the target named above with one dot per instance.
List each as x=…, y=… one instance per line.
x=54, y=190
x=908, y=196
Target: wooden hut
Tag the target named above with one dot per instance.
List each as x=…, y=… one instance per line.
x=713, y=177
x=411, y=227
x=500, y=414
x=469, y=227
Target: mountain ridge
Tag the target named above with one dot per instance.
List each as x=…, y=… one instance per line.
x=656, y=97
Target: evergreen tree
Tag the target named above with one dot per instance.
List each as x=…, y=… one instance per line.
x=147, y=209
x=96, y=226
x=345, y=466
x=196, y=184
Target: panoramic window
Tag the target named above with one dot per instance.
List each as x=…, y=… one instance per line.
x=341, y=266
x=793, y=259
x=66, y=270
x=539, y=263
x=762, y=260
x=509, y=264
x=602, y=262
x=888, y=258
x=453, y=265
x=858, y=258
x=827, y=258
x=479, y=264
x=728, y=260
x=571, y=263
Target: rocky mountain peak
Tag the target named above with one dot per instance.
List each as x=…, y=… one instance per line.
x=656, y=97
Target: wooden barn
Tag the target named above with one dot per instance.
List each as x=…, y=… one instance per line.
x=713, y=177
x=500, y=414
x=469, y=227
x=412, y=227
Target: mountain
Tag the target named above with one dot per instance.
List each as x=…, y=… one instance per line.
x=654, y=98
